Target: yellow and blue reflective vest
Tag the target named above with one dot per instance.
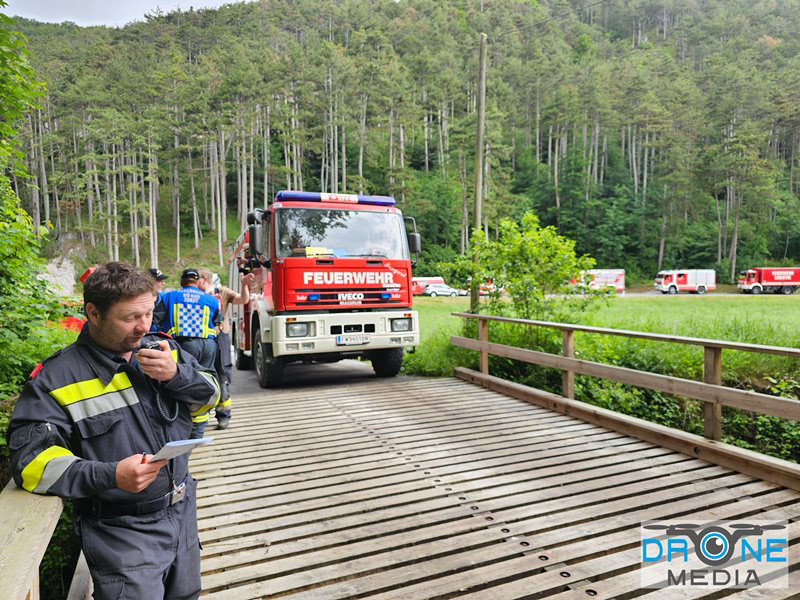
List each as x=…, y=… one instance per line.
x=192, y=313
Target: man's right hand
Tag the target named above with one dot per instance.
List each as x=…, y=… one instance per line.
x=133, y=476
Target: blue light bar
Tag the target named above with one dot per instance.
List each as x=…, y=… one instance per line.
x=313, y=297
x=339, y=198
x=385, y=296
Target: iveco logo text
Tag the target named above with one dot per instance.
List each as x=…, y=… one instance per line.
x=347, y=278
x=350, y=297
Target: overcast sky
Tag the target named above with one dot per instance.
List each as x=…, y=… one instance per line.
x=99, y=12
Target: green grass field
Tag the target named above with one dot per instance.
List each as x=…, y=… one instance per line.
x=756, y=319
x=768, y=320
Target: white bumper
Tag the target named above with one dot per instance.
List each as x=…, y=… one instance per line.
x=344, y=332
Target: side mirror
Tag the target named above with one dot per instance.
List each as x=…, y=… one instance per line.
x=415, y=242
x=256, y=238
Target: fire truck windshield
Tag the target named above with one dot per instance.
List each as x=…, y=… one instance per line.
x=302, y=232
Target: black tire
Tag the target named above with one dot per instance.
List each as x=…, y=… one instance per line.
x=240, y=359
x=433, y=294
x=452, y=294
x=701, y=289
x=787, y=291
x=672, y=290
x=387, y=362
x=269, y=369
x=755, y=291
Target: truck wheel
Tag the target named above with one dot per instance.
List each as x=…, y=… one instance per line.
x=701, y=290
x=241, y=361
x=672, y=290
x=755, y=291
x=787, y=291
x=269, y=369
x=387, y=362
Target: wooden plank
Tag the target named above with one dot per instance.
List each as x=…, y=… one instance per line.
x=553, y=581
x=743, y=399
x=28, y=521
x=654, y=337
x=567, y=376
x=561, y=445
x=758, y=465
x=293, y=571
x=611, y=585
x=81, y=587
x=712, y=411
x=615, y=559
x=483, y=335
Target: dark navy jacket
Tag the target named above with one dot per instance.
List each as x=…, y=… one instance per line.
x=85, y=409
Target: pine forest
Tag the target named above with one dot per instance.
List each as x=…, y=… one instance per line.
x=655, y=133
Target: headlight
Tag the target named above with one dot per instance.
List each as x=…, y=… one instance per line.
x=401, y=324
x=299, y=329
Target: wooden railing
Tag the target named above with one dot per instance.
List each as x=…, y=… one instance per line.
x=27, y=522
x=710, y=391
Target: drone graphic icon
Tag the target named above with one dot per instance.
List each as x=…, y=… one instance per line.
x=713, y=545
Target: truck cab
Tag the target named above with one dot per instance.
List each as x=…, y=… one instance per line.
x=333, y=281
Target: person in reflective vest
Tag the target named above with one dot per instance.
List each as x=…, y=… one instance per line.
x=224, y=365
x=87, y=424
x=192, y=316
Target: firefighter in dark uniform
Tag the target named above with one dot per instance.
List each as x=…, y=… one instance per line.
x=192, y=316
x=87, y=424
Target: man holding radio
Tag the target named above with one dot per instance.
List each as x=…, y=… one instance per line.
x=89, y=420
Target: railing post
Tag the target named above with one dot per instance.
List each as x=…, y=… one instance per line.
x=568, y=376
x=483, y=335
x=712, y=411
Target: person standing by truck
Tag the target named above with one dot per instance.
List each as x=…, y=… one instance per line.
x=192, y=316
x=224, y=366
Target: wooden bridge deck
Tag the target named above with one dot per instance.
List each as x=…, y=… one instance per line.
x=438, y=488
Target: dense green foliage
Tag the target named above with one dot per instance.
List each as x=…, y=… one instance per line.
x=26, y=305
x=532, y=266
x=654, y=134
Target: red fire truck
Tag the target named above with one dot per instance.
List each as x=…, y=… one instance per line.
x=698, y=281
x=780, y=280
x=333, y=281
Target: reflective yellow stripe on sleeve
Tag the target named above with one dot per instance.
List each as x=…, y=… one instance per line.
x=202, y=410
x=44, y=470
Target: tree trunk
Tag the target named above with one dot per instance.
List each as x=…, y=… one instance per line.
x=223, y=206
x=43, y=172
x=34, y=187
x=266, y=155
x=362, y=139
x=109, y=211
x=425, y=128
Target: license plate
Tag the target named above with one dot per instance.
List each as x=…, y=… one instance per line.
x=351, y=340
